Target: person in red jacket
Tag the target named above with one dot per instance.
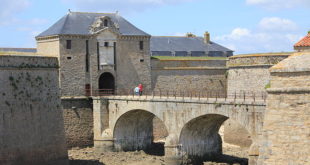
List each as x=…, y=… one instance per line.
x=141, y=89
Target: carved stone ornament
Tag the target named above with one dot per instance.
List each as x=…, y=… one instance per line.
x=98, y=25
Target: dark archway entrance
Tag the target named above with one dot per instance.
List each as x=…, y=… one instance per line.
x=200, y=141
x=134, y=130
x=106, y=83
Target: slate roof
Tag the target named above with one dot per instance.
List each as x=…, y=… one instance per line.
x=78, y=23
x=189, y=44
x=304, y=42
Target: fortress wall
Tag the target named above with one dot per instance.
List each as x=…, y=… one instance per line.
x=31, y=121
x=160, y=64
x=250, y=73
x=247, y=73
x=78, y=121
x=285, y=138
x=194, y=76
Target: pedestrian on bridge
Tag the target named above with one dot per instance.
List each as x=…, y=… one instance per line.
x=137, y=91
x=141, y=89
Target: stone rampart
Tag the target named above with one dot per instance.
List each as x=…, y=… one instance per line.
x=247, y=73
x=250, y=72
x=78, y=121
x=31, y=122
x=286, y=127
x=189, y=75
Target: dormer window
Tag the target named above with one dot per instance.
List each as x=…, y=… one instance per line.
x=105, y=22
x=106, y=44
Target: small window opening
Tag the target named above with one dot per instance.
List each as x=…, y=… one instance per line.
x=141, y=60
x=141, y=45
x=87, y=89
x=87, y=57
x=105, y=22
x=69, y=58
x=106, y=44
x=68, y=45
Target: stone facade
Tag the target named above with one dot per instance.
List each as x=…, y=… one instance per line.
x=78, y=121
x=49, y=46
x=83, y=58
x=132, y=65
x=31, y=122
x=187, y=76
x=285, y=138
x=250, y=72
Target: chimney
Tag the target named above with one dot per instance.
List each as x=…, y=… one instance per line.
x=207, y=37
x=190, y=35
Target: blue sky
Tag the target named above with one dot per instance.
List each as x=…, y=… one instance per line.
x=246, y=26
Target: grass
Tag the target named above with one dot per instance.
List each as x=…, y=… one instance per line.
x=263, y=54
x=187, y=58
x=18, y=53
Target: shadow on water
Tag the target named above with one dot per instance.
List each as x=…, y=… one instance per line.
x=85, y=162
x=228, y=159
x=156, y=149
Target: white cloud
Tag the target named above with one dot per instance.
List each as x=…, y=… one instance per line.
x=262, y=39
x=124, y=6
x=277, y=24
x=236, y=33
x=9, y=8
x=279, y=4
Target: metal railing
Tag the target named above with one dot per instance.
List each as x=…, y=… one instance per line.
x=198, y=94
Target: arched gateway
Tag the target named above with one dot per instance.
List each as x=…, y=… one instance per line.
x=106, y=83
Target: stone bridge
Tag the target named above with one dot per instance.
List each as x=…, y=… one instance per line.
x=125, y=123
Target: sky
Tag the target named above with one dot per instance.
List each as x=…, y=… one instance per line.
x=245, y=26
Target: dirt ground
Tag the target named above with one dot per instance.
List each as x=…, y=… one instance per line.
x=85, y=156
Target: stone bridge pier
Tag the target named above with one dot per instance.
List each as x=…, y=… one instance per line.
x=126, y=124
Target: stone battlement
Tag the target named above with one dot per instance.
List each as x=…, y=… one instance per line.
x=256, y=60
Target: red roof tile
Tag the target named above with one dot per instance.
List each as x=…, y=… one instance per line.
x=304, y=42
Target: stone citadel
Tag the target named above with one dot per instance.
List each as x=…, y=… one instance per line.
x=107, y=52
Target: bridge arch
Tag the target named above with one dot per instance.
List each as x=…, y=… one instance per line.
x=200, y=139
x=133, y=130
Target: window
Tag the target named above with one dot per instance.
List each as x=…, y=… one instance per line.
x=105, y=22
x=106, y=44
x=98, y=55
x=69, y=58
x=141, y=45
x=141, y=60
x=87, y=57
x=68, y=45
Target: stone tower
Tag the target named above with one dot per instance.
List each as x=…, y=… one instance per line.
x=98, y=53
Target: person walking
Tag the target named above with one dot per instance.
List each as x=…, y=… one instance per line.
x=141, y=89
x=137, y=91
